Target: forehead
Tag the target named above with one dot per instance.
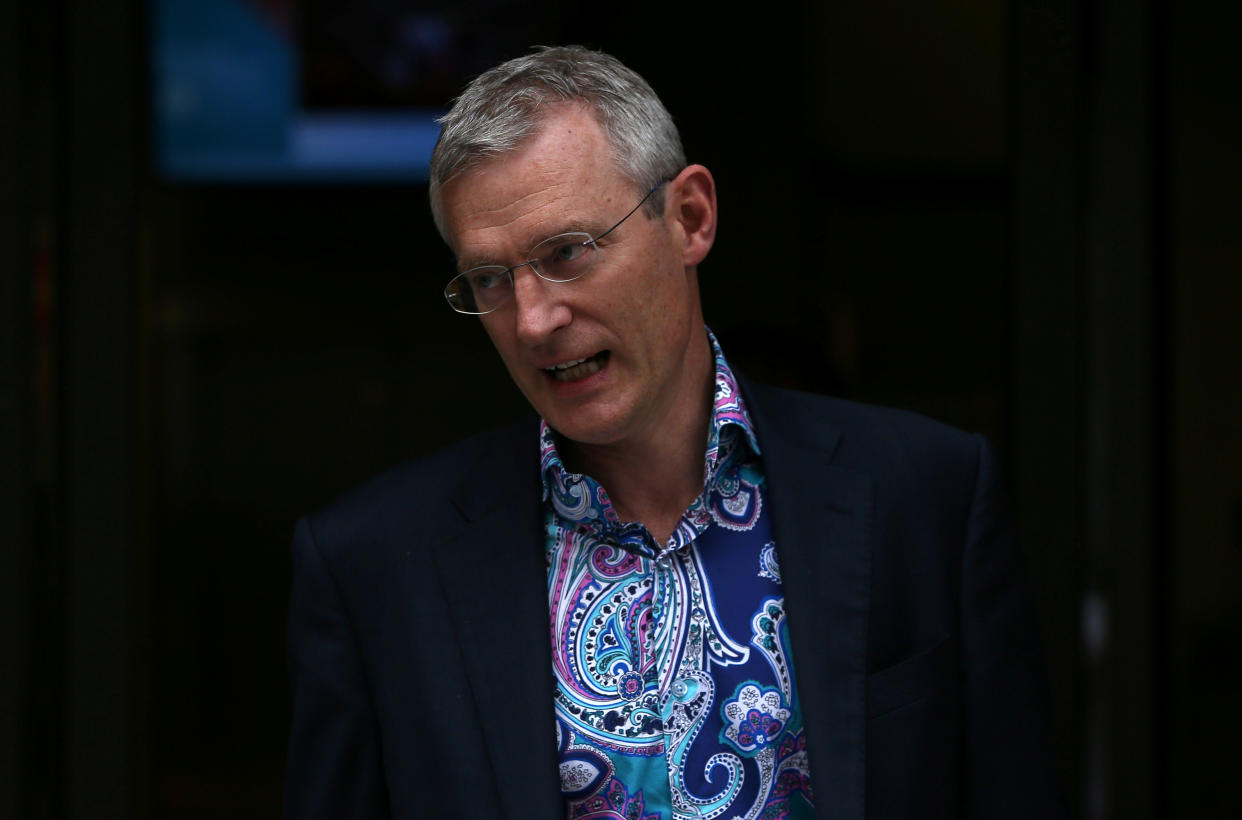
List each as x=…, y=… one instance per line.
x=565, y=172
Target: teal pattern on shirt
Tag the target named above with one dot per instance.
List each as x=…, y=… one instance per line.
x=675, y=692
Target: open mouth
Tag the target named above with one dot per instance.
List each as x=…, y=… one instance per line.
x=578, y=368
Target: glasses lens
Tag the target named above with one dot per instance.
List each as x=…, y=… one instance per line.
x=480, y=290
x=564, y=258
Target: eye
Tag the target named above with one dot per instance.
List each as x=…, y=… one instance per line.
x=487, y=278
x=564, y=258
x=566, y=252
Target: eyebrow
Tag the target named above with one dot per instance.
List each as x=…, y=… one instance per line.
x=575, y=225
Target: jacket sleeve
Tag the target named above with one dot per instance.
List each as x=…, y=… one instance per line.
x=334, y=766
x=1008, y=765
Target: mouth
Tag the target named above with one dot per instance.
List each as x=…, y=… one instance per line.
x=577, y=369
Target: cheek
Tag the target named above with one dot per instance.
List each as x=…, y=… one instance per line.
x=500, y=333
x=658, y=287
x=490, y=327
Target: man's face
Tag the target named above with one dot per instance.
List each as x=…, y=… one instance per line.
x=633, y=321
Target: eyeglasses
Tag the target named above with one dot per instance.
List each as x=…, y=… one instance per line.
x=561, y=258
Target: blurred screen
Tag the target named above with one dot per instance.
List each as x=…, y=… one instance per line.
x=318, y=90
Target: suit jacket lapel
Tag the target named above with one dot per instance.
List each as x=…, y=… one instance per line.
x=494, y=575
x=822, y=517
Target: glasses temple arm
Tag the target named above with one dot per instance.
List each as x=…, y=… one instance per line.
x=633, y=210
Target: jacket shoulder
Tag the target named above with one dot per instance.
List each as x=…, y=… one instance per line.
x=858, y=432
x=418, y=495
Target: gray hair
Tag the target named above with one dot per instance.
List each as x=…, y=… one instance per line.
x=505, y=105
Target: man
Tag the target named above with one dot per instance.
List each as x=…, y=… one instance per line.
x=678, y=594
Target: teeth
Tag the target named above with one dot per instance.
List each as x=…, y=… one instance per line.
x=567, y=365
x=577, y=369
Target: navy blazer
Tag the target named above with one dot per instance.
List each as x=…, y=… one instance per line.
x=421, y=658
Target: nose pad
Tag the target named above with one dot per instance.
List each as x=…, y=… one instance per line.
x=540, y=305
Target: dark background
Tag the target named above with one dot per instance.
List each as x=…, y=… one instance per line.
x=1018, y=217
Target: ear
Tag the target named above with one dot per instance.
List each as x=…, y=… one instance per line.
x=691, y=206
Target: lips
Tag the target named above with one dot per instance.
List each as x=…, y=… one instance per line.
x=575, y=369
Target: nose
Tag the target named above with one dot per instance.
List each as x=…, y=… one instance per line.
x=540, y=306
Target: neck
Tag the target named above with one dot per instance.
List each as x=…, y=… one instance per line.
x=653, y=480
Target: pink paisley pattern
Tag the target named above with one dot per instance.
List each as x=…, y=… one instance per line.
x=674, y=693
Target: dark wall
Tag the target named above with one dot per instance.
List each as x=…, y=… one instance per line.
x=1012, y=216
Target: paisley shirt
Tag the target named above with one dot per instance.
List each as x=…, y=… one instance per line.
x=675, y=693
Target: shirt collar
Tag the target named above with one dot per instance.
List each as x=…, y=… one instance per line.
x=579, y=498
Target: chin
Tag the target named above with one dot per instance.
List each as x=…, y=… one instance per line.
x=587, y=431
x=586, y=435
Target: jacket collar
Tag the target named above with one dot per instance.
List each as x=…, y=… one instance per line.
x=500, y=616
x=822, y=517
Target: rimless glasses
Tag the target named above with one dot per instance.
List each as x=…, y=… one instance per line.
x=561, y=258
